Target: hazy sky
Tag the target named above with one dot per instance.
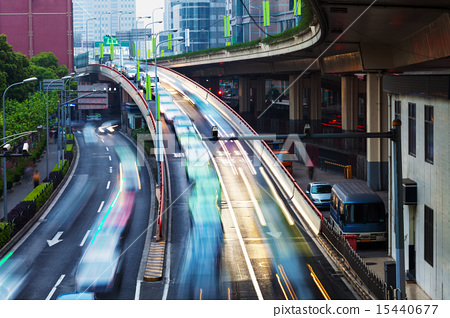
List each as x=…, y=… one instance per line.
x=146, y=7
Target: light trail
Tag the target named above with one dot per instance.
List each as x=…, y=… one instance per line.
x=277, y=197
x=318, y=283
x=258, y=211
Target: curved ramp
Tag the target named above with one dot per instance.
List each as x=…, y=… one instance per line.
x=130, y=89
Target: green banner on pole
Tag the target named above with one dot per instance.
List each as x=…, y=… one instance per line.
x=149, y=87
x=169, y=36
x=158, y=112
x=154, y=45
x=101, y=50
x=266, y=12
x=297, y=7
x=137, y=71
x=227, y=26
x=112, y=51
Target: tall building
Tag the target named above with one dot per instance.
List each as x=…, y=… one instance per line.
x=203, y=18
x=35, y=26
x=247, y=18
x=95, y=19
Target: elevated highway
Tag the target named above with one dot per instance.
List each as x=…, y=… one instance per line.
x=345, y=36
x=348, y=50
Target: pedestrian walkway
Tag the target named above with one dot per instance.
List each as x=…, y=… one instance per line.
x=374, y=259
x=21, y=189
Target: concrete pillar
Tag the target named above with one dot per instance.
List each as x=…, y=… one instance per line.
x=295, y=98
x=349, y=103
x=295, y=103
x=244, y=95
x=377, y=121
x=315, y=107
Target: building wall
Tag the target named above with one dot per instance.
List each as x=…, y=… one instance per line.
x=433, y=182
x=35, y=26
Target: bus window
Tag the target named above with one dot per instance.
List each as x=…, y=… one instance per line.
x=361, y=213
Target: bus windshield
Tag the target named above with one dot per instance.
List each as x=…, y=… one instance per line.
x=360, y=213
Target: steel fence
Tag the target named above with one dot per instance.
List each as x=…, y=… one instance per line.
x=374, y=284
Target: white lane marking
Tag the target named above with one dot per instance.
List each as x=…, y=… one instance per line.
x=110, y=169
x=54, y=287
x=101, y=206
x=107, y=186
x=246, y=158
x=85, y=238
x=107, y=149
x=238, y=232
x=110, y=158
x=258, y=211
x=137, y=293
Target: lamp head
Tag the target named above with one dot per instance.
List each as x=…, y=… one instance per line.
x=31, y=79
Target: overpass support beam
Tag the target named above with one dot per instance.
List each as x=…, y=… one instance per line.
x=349, y=102
x=315, y=106
x=349, y=110
x=244, y=95
x=295, y=102
x=377, y=121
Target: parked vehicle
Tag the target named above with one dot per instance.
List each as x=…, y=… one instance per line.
x=356, y=209
x=319, y=193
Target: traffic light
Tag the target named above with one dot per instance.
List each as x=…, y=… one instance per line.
x=219, y=92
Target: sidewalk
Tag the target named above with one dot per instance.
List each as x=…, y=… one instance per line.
x=20, y=189
x=374, y=258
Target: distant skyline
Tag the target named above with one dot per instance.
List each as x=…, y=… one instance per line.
x=145, y=8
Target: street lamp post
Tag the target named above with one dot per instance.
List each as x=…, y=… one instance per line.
x=87, y=36
x=136, y=79
x=48, y=128
x=120, y=48
x=28, y=80
x=159, y=156
x=259, y=19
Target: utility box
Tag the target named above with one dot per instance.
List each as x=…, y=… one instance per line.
x=409, y=192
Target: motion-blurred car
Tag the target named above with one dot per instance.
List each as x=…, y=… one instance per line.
x=77, y=296
x=319, y=193
x=131, y=73
x=100, y=268
x=171, y=113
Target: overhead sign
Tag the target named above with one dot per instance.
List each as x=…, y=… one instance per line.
x=97, y=100
x=108, y=40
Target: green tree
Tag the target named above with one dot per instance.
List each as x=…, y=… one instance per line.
x=45, y=66
x=14, y=68
x=29, y=114
x=46, y=60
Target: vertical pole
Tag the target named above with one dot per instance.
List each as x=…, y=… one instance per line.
x=399, y=239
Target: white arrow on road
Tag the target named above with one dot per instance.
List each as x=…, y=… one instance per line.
x=273, y=231
x=55, y=239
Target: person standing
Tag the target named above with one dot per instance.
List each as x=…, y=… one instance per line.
x=310, y=169
x=36, y=178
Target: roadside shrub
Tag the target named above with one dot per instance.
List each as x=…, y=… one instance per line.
x=21, y=214
x=40, y=194
x=5, y=233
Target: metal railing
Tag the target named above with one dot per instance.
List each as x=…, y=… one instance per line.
x=375, y=285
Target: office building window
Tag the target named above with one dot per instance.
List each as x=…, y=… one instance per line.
x=398, y=109
x=429, y=135
x=412, y=129
x=428, y=235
